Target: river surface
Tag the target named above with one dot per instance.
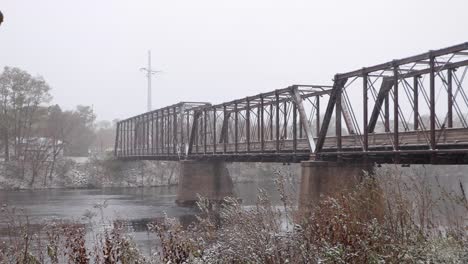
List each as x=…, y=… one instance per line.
x=137, y=206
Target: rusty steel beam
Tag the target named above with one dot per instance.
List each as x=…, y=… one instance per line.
x=247, y=125
x=277, y=123
x=432, y=102
x=205, y=136
x=116, y=144
x=196, y=115
x=298, y=101
x=317, y=115
x=382, y=96
x=337, y=86
x=365, y=115
x=412, y=59
x=449, y=99
x=396, y=134
x=262, y=125
x=416, y=102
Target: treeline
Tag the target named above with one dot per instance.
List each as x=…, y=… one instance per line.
x=35, y=132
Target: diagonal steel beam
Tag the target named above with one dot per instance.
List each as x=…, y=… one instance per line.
x=224, y=128
x=193, y=131
x=347, y=116
x=385, y=87
x=303, y=116
x=337, y=89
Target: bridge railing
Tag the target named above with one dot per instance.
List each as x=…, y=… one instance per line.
x=398, y=108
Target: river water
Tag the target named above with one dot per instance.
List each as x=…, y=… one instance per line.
x=137, y=206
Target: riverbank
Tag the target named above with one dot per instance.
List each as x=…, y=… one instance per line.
x=342, y=228
x=90, y=173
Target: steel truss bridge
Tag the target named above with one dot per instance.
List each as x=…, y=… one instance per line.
x=410, y=110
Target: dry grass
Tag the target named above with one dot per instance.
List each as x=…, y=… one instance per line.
x=60, y=242
x=387, y=218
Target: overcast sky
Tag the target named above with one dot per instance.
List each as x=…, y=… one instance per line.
x=90, y=52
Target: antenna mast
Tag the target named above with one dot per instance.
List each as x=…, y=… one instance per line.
x=149, y=72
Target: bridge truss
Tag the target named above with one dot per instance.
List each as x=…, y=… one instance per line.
x=410, y=110
x=266, y=127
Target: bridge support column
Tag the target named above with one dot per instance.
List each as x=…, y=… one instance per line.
x=328, y=178
x=209, y=179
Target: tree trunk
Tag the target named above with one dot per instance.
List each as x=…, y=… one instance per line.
x=7, y=150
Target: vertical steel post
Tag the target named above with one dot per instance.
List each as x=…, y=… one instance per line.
x=236, y=128
x=214, y=130
x=432, y=100
x=285, y=120
x=387, y=113
x=174, y=130
x=143, y=134
x=152, y=133
x=124, y=138
x=338, y=116
x=247, y=124
x=116, y=144
x=225, y=129
x=188, y=125
x=365, y=113
x=157, y=132
x=294, y=124
x=169, y=126
x=262, y=124
x=163, y=134
x=449, y=98
x=317, y=115
x=277, y=122
x=132, y=137
x=204, y=131
x=127, y=134
x=416, y=102
x=396, y=135
x=258, y=124
x=197, y=132
x=180, y=118
x=271, y=121
x=138, y=135
x=169, y=131
x=147, y=137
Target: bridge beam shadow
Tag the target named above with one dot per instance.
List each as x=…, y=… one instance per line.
x=210, y=179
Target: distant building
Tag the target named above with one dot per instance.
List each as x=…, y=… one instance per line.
x=40, y=147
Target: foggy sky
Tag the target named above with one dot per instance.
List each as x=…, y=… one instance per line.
x=90, y=52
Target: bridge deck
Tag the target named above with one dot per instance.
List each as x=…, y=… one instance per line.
x=414, y=148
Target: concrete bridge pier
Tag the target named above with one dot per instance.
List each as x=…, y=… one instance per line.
x=328, y=178
x=209, y=179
